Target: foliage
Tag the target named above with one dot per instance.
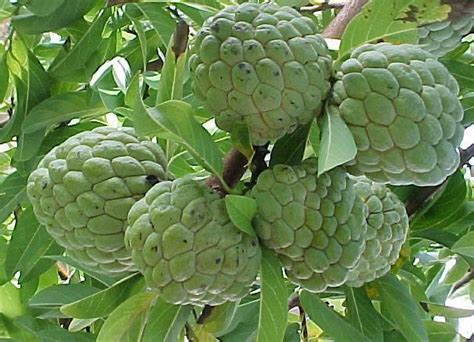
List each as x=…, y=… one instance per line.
x=68, y=66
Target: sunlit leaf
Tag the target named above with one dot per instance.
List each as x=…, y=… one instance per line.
x=241, y=211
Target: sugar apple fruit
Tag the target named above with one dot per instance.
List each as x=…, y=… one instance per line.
x=316, y=225
x=387, y=228
x=263, y=65
x=402, y=108
x=441, y=37
x=83, y=188
x=185, y=245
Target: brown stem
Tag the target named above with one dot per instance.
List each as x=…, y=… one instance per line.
x=425, y=193
x=235, y=164
x=336, y=28
x=465, y=280
x=294, y=302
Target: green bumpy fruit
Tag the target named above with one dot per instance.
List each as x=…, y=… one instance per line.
x=185, y=245
x=262, y=65
x=83, y=189
x=402, y=108
x=316, y=225
x=439, y=38
x=387, y=228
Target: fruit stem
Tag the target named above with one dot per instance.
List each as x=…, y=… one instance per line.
x=336, y=28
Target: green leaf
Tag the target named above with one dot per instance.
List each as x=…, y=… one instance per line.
x=439, y=331
x=4, y=78
x=60, y=334
x=177, y=118
x=220, y=318
x=106, y=280
x=102, y=303
x=161, y=21
x=123, y=323
x=29, y=243
x=64, y=15
x=165, y=322
x=142, y=122
x=462, y=72
x=3, y=255
x=468, y=105
x=337, y=144
x=289, y=150
x=62, y=108
x=58, y=295
x=448, y=311
x=43, y=8
x=12, y=193
x=11, y=305
x=329, y=320
x=241, y=211
x=442, y=211
x=240, y=138
x=243, y=324
x=6, y=9
x=362, y=315
x=81, y=52
x=465, y=245
x=391, y=21
x=32, y=85
x=273, y=300
x=402, y=308
x=172, y=74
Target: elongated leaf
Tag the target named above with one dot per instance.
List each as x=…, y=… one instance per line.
x=462, y=72
x=329, y=320
x=161, y=21
x=468, y=105
x=337, y=144
x=82, y=50
x=43, y=8
x=11, y=305
x=289, y=150
x=403, y=309
x=123, y=322
x=465, y=245
x=220, y=318
x=362, y=315
x=165, y=322
x=59, y=334
x=273, y=300
x=12, y=193
x=108, y=281
x=449, y=311
x=240, y=138
x=58, y=295
x=4, y=78
x=439, y=331
x=241, y=211
x=32, y=86
x=176, y=117
x=6, y=9
x=64, y=15
x=29, y=243
x=392, y=21
x=3, y=256
x=62, y=108
x=102, y=303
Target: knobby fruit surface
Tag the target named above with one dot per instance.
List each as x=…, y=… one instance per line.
x=262, y=65
x=316, y=225
x=184, y=243
x=83, y=189
x=387, y=228
x=402, y=108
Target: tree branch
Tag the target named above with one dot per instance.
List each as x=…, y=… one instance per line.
x=336, y=28
x=235, y=164
x=425, y=193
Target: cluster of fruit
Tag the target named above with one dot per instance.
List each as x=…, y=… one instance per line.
x=264, y=66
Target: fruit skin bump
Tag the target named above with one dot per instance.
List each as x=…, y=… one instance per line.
x=402, y=108
x=83, y=189
x=262, y=65
x=442, y=37
x=316, y=225
x=387, y=229
x=184, y=243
